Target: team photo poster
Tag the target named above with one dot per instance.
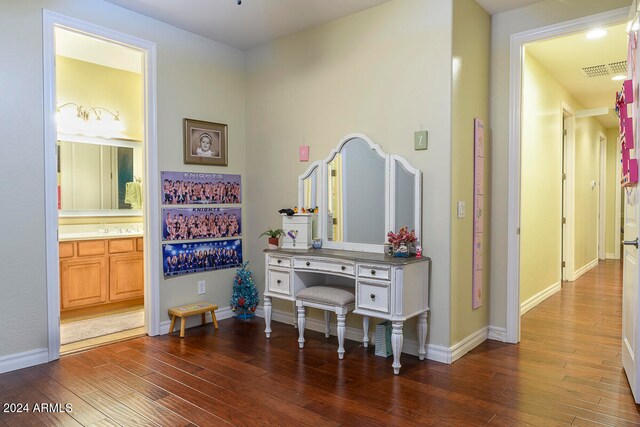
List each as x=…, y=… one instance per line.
x=188, y=258
x=200, y=223
x=190, y=188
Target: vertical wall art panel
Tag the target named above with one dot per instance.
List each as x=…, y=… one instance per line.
x=200, y=223
x=190, y=188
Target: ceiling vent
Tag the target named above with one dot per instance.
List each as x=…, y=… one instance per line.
x=604, y=70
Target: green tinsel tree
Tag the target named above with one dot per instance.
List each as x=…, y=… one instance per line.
x=245, y=296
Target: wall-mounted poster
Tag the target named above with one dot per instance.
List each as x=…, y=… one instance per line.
x=187, y=258
x=191, y=188
x=200, y=223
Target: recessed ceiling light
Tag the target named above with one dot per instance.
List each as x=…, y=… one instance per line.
x=619, y=77
x=596, y=33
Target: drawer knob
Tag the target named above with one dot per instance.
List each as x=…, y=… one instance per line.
x=279, y=261
x=373, y=272
x=278, y=281
x=373, y=296
x=343, y=268
x=308, y=263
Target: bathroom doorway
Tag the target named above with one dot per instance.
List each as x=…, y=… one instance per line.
x=99, y=88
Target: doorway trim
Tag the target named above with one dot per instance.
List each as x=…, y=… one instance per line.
x=569, y=116
x=517, y=42
x=602, y=197
x=50, y=20
x=617, y=218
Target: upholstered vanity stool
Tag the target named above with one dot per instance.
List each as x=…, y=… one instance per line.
x=328, y=298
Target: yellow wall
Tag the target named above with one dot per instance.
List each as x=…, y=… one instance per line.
x=471, y=46
x=503, y=26
x=541, y=182
x=382, y=72
x=196, y=78
x=613, y=236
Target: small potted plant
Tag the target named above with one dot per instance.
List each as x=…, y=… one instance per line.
x=274, y=237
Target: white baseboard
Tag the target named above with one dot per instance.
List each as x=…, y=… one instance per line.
x=497, y=334
x=12, y=362
x=611, y=256
x=585, y=268
x=539, y=297
x=468, y=344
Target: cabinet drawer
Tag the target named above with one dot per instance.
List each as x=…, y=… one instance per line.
x=324, y=265
x=279, y=261
x=373, y=296
x=118, y=246
x=65, y=249
x=279, y=282
x=91, y=248
x=381, y=272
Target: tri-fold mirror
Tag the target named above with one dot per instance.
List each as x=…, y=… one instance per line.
x=361, y=193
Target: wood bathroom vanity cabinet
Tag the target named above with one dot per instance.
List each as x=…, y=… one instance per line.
x=94, y=272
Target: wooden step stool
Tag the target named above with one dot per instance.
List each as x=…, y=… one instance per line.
x=187, y=310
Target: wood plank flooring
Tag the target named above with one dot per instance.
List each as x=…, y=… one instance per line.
x=566, y=371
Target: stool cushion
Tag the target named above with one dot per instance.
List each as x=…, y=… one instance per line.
x=327, y=295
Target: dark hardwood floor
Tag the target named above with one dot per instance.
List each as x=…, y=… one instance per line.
x=566, y=371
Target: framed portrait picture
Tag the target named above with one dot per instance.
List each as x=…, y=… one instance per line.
x=205, y=143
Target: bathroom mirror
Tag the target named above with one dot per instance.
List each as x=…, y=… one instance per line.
x=93, y=176
x=362, y=194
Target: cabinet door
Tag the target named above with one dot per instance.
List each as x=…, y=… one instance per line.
x=126, y=277
x=83, y=282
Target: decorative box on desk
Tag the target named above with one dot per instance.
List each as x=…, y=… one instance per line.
x=297, y=231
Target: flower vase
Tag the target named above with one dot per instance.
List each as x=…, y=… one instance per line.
x=401, y=251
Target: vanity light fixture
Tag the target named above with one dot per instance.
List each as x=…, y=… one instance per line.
x=619, y=77
x=88, y=120
x=596, y=33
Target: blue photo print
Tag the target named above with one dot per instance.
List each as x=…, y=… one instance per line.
x=188, y=258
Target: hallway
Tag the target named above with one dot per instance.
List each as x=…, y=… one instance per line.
x=566, y=371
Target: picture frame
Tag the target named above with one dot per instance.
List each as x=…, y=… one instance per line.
x=205, y=143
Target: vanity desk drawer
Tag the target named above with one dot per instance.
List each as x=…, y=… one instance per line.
x=279, y=282
x=373, y=296
x=325, y=265
x=279, y=261
x=379, y=272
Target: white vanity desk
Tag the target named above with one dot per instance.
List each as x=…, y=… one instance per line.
x=389, y=288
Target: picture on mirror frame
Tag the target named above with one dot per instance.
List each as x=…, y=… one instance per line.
x=189, y=258
x=205, y=143
x=200, y=223
x=189, y=188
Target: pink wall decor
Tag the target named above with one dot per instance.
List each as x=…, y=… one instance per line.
x=624, y=98
x=478, y=213
x=304, y=153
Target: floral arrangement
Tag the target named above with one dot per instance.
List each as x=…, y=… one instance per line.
x=402, y=237
x=401, y=241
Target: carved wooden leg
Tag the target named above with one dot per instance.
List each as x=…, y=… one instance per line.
x=341, y=328
x=365, y=329
x=327, y=324
x=203, y=318
x=396, y=345
x=301, y=321
x=267, y=316
x=422, y=335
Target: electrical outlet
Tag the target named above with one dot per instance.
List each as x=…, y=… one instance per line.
x=201, y=287
x=420, y=139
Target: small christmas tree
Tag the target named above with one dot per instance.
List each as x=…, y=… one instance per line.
x=245, y=297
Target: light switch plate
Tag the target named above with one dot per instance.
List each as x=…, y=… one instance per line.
x=201, y=287
x=461, y=209
x=420, y=139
